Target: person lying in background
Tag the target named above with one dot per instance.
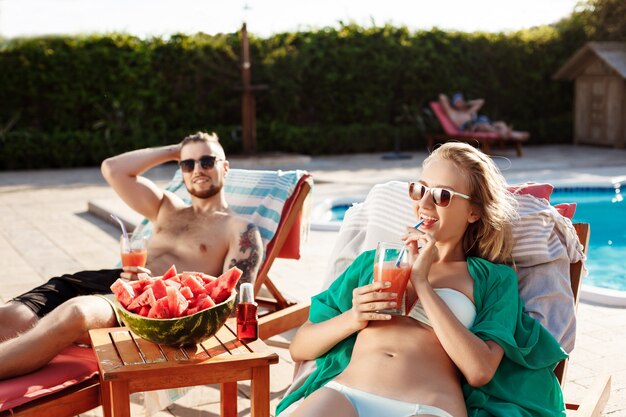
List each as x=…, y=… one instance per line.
x=464, y=114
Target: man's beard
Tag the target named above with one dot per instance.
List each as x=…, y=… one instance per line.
x=204, y=194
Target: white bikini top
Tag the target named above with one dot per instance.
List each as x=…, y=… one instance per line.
x=460, y=304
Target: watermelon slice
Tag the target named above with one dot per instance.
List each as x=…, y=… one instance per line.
x=226, y=283
x=230, y=277
x=173, y=283
x=210, y=286
x=159, y=289
x=170, y=272
x=146, y=298
x=160, y=309
x=206, y=303
x=194, y=284
x=187, y=293
x=123, y=292
x=206, y=278
x=176, y=303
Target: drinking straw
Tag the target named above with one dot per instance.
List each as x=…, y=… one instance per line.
x=418, y=224
x=117, y=219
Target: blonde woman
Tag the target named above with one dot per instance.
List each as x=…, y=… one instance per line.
x=465, y=346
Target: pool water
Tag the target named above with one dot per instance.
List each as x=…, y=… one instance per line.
x=605, y=210
x=338, y=211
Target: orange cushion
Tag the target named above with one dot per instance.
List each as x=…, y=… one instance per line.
x=72, y=366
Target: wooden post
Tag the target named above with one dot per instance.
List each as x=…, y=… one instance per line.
x=248, y=108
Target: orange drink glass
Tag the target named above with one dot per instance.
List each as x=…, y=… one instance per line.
x=134, y=251
x=387, y=268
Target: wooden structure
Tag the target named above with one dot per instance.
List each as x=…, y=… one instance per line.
x=595, y=399
x=130, y=364
x=248, y=102
x=599, y=72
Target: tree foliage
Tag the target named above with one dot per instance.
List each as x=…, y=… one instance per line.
x=344, y=89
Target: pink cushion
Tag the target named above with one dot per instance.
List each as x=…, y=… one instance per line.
x=566, y=209
x=535, y=189
x=72, y=366
x=544, y=190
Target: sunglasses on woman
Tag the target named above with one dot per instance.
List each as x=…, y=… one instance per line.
x=441, y=196
x=206, y=162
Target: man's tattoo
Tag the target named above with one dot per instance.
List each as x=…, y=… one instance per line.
x=247, y=243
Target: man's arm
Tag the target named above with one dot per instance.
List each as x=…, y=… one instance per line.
x=122, y=172
x=445, y=103
x=245, y=252
x=475, y=105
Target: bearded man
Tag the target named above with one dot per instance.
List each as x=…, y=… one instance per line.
x=204, y=236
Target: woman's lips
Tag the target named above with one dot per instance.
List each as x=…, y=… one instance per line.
x=428, y=223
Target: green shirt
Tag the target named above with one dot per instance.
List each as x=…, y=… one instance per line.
x=524, y=383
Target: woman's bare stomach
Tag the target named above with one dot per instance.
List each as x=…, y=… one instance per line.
x=402, y=359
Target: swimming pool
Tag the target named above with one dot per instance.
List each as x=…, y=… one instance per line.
x=605, y=210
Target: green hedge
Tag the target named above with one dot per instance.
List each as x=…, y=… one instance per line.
x=71, y=101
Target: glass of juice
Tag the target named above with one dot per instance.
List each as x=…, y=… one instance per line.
x=391, y=263
x=134, y=250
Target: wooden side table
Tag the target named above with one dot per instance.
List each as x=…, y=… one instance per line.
x=130, y=364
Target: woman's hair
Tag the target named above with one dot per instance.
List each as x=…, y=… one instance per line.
x=490, y=237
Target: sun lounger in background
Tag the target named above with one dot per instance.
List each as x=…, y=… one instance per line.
x=451, y=132
x=274, y=201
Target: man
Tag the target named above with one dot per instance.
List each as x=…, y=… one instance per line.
x=464, y=114
x=205, y=236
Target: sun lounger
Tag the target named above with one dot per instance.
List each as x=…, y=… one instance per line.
x=484, y=139
x=376, y=220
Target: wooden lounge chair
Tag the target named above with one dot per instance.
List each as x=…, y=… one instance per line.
x=594, y=400
x=451, y=132
x=281, y=314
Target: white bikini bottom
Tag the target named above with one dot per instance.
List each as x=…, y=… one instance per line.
x=371, y=405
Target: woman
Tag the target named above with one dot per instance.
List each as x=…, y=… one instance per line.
x=465, y=348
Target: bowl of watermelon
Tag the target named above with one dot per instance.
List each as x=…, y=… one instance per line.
x=176, y=309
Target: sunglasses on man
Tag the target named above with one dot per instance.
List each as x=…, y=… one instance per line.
x=206, y=162
x=441, y=196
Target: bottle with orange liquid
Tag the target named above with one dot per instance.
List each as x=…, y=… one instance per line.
x=247, y=319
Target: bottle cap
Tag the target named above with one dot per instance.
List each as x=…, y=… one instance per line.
x=246, y=293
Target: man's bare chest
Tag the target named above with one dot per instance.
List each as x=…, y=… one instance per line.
x=196, y=235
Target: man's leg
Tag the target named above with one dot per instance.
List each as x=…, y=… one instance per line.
x=56, y=331
x=16, y=318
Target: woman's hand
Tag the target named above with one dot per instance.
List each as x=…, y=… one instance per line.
x=368, y=299
x=131, y=272
x=423, y=251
